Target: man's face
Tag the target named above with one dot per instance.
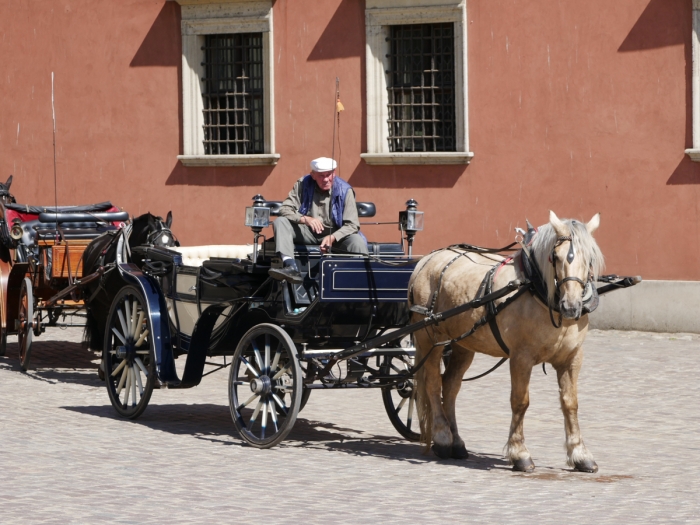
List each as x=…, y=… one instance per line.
x=324, y=179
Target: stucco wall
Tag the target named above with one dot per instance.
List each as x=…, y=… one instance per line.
x=578, y=107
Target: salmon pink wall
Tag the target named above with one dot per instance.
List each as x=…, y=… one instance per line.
x=578, y=107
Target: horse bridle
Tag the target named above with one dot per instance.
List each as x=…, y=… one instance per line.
x=570, y=256
x=151, y=237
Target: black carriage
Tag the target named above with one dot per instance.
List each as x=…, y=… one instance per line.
x=41, y=250
x=345, y=326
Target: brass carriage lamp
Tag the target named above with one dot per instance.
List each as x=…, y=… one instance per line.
x=411, y=221
x=257, y=217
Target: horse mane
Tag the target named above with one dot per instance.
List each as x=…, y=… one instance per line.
x=584, y=244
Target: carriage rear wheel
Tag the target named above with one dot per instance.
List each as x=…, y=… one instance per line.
x=128, y=355
x=265, y=386
x=400, y=398
x=25, y=318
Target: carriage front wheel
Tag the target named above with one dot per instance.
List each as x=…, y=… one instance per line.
x=400, y=396
x=25, y=319
x=265, y=386
x=128, y=354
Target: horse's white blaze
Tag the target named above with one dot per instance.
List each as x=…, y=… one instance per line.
x=119, y=367
x=119, y=335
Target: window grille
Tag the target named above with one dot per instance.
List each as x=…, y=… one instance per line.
x=233, y=94
x=421, y=88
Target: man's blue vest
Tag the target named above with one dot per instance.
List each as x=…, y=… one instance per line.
x=339, y=191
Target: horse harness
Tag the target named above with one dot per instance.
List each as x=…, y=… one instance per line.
x=535, y=284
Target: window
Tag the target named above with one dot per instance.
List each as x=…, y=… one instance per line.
x=694, y=152
x=421, y=88
x=233, y=94
x=416, y=83
x=227, y=84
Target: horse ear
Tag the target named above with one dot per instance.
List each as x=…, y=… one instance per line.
x=8, y=183
x=169, y=219
x=556, y=223
x=593, y=223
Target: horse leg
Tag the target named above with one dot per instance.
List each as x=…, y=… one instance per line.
x=435, y=428
x=577, y=454
x=516, y=451
x=451, y=383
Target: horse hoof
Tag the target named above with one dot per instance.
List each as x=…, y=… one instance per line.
x=459, y=452
x=523, y=465
x=587, y=465
x=442, y=451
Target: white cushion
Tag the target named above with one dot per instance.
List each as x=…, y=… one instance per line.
x=196, y=255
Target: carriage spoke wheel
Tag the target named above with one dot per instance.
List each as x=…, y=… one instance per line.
x=265, y=386
x=25, y=319
x=400, y=399
x=128, y=358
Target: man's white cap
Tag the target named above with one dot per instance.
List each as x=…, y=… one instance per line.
x=323, y=164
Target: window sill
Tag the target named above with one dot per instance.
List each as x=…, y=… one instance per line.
x=694, y=154
x=266, y=159
x=387, y=159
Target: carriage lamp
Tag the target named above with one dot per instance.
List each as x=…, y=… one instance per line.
x=16, y=230
x=411, y=221
x=257, y=217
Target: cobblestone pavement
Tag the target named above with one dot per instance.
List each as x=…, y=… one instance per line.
x=67, y=458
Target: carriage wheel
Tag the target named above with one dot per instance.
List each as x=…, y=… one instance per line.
x=25, y=317
x=400, y=399
x=265, y=386
x=128, y=355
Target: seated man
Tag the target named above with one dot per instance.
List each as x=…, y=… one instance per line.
x=320, y=209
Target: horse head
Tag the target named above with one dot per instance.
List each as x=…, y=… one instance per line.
x=569, y=259
x=152, y=229
x=5, y=195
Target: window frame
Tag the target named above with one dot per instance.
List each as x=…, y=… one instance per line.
x=379, y=16
x=199, y=20
x=694, y=152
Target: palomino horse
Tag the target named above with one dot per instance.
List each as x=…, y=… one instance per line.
x=145, y=229
x=568, y=258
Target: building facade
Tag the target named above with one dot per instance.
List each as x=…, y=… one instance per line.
x=487, y=112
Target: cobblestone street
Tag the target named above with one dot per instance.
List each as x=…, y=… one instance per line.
x=66, y=456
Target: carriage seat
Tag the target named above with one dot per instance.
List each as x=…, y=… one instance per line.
x=196, y=255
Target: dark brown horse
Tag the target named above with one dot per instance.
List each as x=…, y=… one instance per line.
x=102, y=252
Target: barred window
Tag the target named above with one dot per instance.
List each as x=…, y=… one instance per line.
x=232, y=94
x=421, y=86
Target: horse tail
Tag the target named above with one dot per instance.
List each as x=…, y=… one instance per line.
x=425, y=412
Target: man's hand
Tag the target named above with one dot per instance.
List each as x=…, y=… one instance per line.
x=315, y=224
x=326, y=243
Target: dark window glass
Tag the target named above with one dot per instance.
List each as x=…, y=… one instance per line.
x=233, y=94
x=421, y=88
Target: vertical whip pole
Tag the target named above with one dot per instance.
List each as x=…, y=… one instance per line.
x=55, y=188
x=337, y=108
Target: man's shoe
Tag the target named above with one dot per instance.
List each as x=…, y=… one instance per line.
x=288, y=273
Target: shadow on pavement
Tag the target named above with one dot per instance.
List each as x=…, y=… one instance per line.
x=55, y=362
x=212, y=423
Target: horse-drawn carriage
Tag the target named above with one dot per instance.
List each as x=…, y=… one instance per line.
x=41, y=250
x=345, y=326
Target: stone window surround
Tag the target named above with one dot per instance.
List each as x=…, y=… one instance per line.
x=222, y=17
x=379, y=15
x=694, y=152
